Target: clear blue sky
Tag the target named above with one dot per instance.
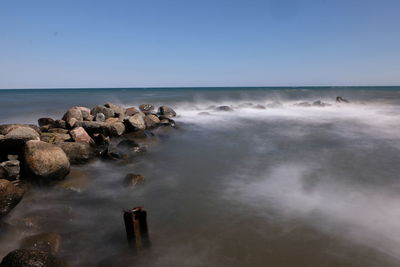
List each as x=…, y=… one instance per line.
x=132, y=43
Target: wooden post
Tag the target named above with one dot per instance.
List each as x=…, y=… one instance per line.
x=136, y=228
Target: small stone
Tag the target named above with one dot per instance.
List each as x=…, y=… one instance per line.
x=166, y=111
x=108, y=112
x=45, y=121
x=100, y=117
x=133, y=179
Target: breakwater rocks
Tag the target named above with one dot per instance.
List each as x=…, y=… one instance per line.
x=43, y=154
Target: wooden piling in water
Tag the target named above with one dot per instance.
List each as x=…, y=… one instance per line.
x=137, y=231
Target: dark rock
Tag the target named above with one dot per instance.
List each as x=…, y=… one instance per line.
x=166, y=111
x=203, y=113
x=80, y=135
x=100, y=139
x=133, y=179
x=128, y=143
x=136, y=122
x=118, y=110
x=340, y=99
x=224, y=108
x=151, y=121
x=108, y=112
x=11, y=194
x=77, y=153
x=60, y=124
x=319, y=103
x=46, y=242
x=131, y=111
x=45, y=162
x=73, y=115
x=45, y=121
x=31, y=258
x=146, y=108
x=54, y=138
x=58, y=130
x=9, y=170
x=259, y=106
x=92, y=127
x=100, y=117
x=15, y=139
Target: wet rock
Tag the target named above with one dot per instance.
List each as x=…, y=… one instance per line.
x=80, y=135
x=73, y=115
x=92, y=127
x=100, y=139
x=151, y=121
x=136, y=122
x=45, y=121
x=259, y=106
x=127, y=143
x=31, y=258
x=11, y=194
x=45, y=162
x=133, y=179
x=54, y=138
x=131, y=111
x=76, y=181
x=9, y=170
x=118, y=110
x=146, y=108
x=319, y=103
x=108, y=112
x=115, y=128
x=46, y=242
x=224, y=108
x=166, y=111
x=100, y=117
x=340, y=99
x=77, y=153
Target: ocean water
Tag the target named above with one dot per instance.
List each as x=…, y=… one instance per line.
x=288, y=185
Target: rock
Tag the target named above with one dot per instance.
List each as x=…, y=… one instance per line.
x=340, y=99
x=80, y=135
x=100, y=139
x=115, y=128
x=12, y=157
x=14, y=141
x=31, y=258
x=11, y=194
x=9, y=170
x=146, y=108
x=6, y=128
x=259, y=106
x=100, y=117
x=46, y=242
x=151, y=121
x=319, y=103
x=133, y=179
x=131, y=111
x=73, y=115
x=54, y=138
x=224, y=108
x=77, y=153
x=58, y=130
x=136, y=122
x=76, y=181
x=128, y=143
x=45, y=162
x=60, y=124
x=108, y=112
x=85, y=113
x=92, y=127
x=118, y=110
x=45, y=121
x=166, y=111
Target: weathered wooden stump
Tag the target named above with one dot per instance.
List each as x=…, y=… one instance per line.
x=137, y=232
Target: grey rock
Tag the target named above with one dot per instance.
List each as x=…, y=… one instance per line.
x=45, y=121
x=9, y=170
x=108, y=112
x=224, y=108
x=77, y=153
x=118, y=110
x=166, y=111
x=151, y=121
x=100, y=117
x=72, y=115
x=146, y=108
x=136, y=122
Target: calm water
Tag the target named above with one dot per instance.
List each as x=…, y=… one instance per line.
x=283, y=186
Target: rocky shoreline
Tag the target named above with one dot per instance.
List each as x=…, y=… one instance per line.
x=41, y=155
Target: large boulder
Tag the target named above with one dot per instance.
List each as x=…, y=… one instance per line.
x=166, y=111
x=9, y=170
x=85, y=113
x=108, y=112
x=31, y=258
x=77, y=153
x=80, y=135
x=146, y=108
x=46, y=242
x=45, y=162
x=73, y=115
x=118, y=110
x=136, y=122
x=10, y=195
x=15, y=138
x=114, y=127
x=151, y=121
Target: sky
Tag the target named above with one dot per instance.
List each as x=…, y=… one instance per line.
x=167, y=43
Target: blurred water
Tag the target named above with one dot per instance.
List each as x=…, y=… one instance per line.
x=283, y=186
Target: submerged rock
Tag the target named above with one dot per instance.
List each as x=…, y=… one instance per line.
x=133, y=179
x=77, y=153
x=14, y=140
x=224, y=108
x=31, y=258
x=166, y=111
x=76, y=181
x=319, y=103
x=9, y=170
x=46, y=242
x=11, y=194
x=45, y=162
x=340, y=99
x=259, y=106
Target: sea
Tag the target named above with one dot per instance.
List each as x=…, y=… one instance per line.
x=287, y=177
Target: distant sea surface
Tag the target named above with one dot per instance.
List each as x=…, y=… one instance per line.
x=289, y=177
